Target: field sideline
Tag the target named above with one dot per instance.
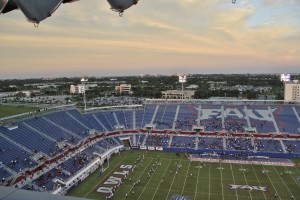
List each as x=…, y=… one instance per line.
x=9, y=110
x=194, y=180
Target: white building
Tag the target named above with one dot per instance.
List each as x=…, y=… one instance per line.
x=192, y=87
x=123, y=88
x=78, y=89
x=292, y=91
x=178, y=94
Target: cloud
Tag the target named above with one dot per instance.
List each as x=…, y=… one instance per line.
x=211, y=33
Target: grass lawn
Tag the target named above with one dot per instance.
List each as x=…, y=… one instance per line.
x=193, y=180
x=6, y=111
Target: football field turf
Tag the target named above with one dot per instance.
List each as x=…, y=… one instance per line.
x=193, y=180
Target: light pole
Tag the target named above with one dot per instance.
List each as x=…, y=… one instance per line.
x=83, y=81
x=182, y=79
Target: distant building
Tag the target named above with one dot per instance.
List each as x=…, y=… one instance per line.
x=78, y=89
x=192, y=87
x=123, y=88
x=178, y=94
x=292, y=91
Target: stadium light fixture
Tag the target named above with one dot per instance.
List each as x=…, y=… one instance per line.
x=182, y=79
x=83, y=81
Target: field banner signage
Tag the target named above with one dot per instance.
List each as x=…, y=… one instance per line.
x=247, y=187
x=151, y=148
x=179, y=197
x=143, y=147
x=159, y=148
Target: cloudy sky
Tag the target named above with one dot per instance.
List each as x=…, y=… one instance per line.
x=155, y=36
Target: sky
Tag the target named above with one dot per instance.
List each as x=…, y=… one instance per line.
x=86, y=38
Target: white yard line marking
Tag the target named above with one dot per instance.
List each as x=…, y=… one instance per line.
x=172, y=182
x=104, y=177
x=222, y=181
x=296, y=168
x=293, y=178
x=147, y=183
x=140, y=175
x=246, y=181
x=197, y=180
x=185, y=178
x=163, y=177
x=258, y=180
x=272, y=183
x=283, y=181
x=236, y=194
x=209, y=181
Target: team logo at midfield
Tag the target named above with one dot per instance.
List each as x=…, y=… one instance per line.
x=178, y=197
x=247, y=187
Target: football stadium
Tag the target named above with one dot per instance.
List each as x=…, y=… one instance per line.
x=156, y=150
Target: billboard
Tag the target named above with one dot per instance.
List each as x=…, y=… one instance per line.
x=285, y=77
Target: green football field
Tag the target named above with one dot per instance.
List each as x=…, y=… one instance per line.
x=193, y=180
x=6, y=111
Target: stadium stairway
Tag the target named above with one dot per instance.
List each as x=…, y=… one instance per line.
x=115, y=116
x=253, y=144
x=134, y=139
x=283, y=146
x=133, y=120
x=170, y=141
x=296, y=113
x=112, y=127
x=12, y=172
x=274, y=121
x=100, y=123
x=224, y=143
x=196, y=142
x=144, y=141
x=116, y=141
x=39, y=132
x=199, y=116
x=78, y=121
x=176, y=116
x=16, y=143
x=62, y=128
x=154, y=115
x=223, y=118
x=247, y=116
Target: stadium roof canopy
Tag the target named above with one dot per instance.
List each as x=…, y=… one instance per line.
x=11, y=193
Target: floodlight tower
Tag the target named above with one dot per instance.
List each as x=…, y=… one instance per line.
x=83, y=81
x=182, y=79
